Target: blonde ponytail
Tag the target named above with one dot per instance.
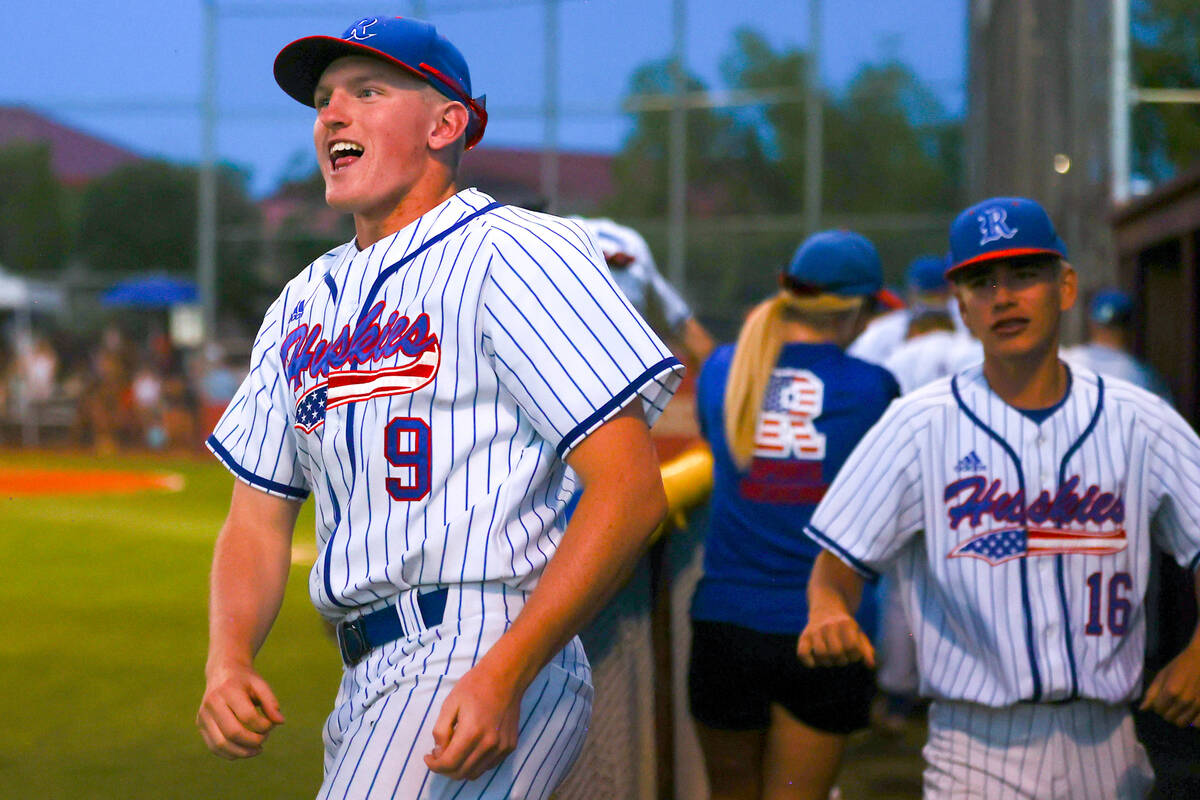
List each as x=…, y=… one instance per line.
x=758, y=346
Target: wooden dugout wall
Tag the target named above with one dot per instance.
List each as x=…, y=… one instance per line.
x=1158, y=260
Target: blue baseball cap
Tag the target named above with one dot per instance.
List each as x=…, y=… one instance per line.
x=1111, y=307
x=410, y=44
x=928, y=273
x=835, y=262
x=1002, y=227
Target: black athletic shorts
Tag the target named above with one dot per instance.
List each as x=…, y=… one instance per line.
x=736, y=673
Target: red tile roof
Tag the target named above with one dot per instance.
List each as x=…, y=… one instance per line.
x=512, y=175
x=76, y=157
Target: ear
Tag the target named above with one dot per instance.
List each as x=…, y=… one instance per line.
x=450, y=125
x=1068, y=285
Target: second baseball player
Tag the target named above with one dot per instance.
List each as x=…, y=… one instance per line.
x=1014, y=501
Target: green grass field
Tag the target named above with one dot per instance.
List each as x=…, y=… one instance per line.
x=103, y=638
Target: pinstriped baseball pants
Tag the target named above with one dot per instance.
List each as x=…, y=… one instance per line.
x=382, y=723
x=1083, y=750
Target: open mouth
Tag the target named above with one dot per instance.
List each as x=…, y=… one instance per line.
x=343, y=154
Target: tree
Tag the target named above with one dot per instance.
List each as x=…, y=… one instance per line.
x=640, y=169
x=888, y=147
x=888, y=143
x=778, y=129
x=142, y=218
x=1165, y=56
x=34, y=225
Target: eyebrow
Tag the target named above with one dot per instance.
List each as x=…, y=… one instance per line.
x=364, y=72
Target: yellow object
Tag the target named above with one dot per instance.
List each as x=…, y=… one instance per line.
x=688, y=480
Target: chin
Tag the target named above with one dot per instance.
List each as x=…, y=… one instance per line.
x=1015, y=348
x=341, y=201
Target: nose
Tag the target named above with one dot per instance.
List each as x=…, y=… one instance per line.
x=333, y=113
x=1002, y=291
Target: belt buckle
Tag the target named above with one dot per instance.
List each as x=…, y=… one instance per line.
x=352, y=642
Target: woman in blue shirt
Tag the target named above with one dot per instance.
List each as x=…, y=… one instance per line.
x=781, y=410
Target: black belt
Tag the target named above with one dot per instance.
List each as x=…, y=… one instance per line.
x=359, y=637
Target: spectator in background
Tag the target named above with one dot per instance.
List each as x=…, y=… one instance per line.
x=38, y=367
x=180, y=413
x=634, y=271
x=146, y=392
x=7, y=369
x=107, y=408
x=1107, y=350
x=927, y=292
x=781, y=411
x=216, y=380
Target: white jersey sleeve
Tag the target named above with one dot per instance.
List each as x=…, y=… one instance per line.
x=1118, y=364
x=874, y=506
x=638, y=276
x=565, y=341
x=930, y=356
x=254, y=437
x=881, y=337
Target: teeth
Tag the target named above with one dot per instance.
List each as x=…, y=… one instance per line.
x=344, y=148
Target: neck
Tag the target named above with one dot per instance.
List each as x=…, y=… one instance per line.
x=370, y=227
x=1034, y=381
x=1109, y=337
x=794, y=331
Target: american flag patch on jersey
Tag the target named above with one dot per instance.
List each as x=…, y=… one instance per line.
x=996, y=547
x=310, y=409
x=350, y=386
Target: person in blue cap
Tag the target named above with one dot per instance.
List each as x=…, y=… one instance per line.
x=1013, y=501
x=1107, y=349
x=929, y=304
x=781, y=409
x=440, y=385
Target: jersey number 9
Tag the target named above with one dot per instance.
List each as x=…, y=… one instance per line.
x=406, y=446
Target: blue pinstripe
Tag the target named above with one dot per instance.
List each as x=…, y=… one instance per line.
x=1035, y=673
x=520, y=309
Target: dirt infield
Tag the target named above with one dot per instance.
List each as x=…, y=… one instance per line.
x=36, y=482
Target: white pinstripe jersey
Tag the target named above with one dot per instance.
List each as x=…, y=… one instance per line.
x=1022, y=550
x=426, y=390
x=644, y=286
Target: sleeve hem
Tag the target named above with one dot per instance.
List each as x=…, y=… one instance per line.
x=619, y=401
x=839, y=551
x=248, y=477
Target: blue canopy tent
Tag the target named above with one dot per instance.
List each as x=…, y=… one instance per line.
x=151, y=291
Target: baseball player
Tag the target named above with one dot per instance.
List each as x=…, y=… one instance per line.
x=1014, y=501
x=781, y=411
x=927, y=291
x=1106, y=351
x=634, y=271
x=440, y=384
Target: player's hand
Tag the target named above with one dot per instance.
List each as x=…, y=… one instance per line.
x=237, y=712
x=834, y=640
x=1175, y=691
x=477, y=726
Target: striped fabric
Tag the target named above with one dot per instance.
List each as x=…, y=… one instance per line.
x=426, y=391
x=536, y=348
x=1075, y=751
x=951, y=465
